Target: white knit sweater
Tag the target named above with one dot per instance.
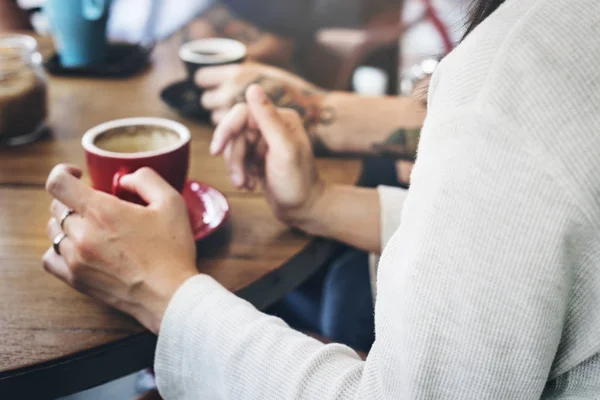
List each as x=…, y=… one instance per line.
x=490, y=288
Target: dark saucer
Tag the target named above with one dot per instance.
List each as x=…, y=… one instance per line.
x=123, y=60
x=185, y=99
x=38, y=133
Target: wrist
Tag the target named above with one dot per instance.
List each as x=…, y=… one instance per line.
x=313, y=108
x=326, y=129
x=310, y=218
x=154, y=298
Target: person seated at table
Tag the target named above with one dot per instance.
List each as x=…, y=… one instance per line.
x=341, y=122
x=488, y=286
x=337, y=302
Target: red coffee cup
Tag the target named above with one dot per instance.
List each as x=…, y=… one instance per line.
x=107, y=167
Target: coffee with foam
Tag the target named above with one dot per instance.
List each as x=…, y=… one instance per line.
x=136, y=139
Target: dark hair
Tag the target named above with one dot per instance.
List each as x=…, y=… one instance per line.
x=479, y=10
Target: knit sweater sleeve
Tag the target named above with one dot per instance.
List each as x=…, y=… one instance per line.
x=473, y=289
x=391, y=202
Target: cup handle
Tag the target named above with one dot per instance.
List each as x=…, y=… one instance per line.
x=93, y=10
x=117, y=190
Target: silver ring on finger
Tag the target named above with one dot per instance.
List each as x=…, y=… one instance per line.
x=68, y=212
x=56, y=242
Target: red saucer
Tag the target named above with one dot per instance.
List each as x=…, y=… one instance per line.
x=208, y=208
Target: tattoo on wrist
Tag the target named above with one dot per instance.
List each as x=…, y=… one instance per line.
x=225, y=23
x=401, y=144
x=307, y=103
x=326, y=116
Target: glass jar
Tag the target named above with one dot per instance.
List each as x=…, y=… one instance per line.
x=23, y=90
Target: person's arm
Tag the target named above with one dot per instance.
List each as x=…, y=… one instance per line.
x=337, y=122
x=299, y=198
x=262, y=45
x=363, y=218
x=471, y=304
x=12, y=17
x=351, y=123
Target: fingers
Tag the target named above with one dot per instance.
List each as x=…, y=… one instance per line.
x=150, y=186
x=73, y=170
x=293, y=123
x=268, y=119
x=209, y=77
x=218, y=98
x=259, y=114
x=56, y=265
x=233, y=125
x=218, y=116
x=235, y=154
x=59, y=210
x=63, y=184
x=53, y=230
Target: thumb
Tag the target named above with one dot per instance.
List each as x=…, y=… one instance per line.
x=149, y=185
x=267, y=118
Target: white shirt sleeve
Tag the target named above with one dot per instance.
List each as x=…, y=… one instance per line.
x=391, y=202
x=473, y=290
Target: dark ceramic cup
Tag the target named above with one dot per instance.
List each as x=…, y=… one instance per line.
x=210, y=52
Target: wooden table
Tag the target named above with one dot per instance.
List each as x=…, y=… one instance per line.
x=54, y=341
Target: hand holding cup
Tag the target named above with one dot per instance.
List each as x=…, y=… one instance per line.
x=132, y=255
x=126, y=255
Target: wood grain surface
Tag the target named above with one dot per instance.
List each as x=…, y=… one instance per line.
x=41, y=319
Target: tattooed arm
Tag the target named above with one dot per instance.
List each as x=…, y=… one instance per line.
x=348, y=123
x=337, y=122
x=362, y=124
x=225, y=86
x=262, y=46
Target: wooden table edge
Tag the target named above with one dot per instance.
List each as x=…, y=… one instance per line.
x=94, y=367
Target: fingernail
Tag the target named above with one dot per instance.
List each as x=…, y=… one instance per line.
x=260, y=94
x=237, y=179
x=213, y=148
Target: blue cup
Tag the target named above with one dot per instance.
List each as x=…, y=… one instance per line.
x=79, y=30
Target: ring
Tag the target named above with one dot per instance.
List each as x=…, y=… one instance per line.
x=64, y=216
x=56, y=242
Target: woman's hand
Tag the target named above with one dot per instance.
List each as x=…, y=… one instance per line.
x=268, y=145
x=226, y=86
x=131, y=257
